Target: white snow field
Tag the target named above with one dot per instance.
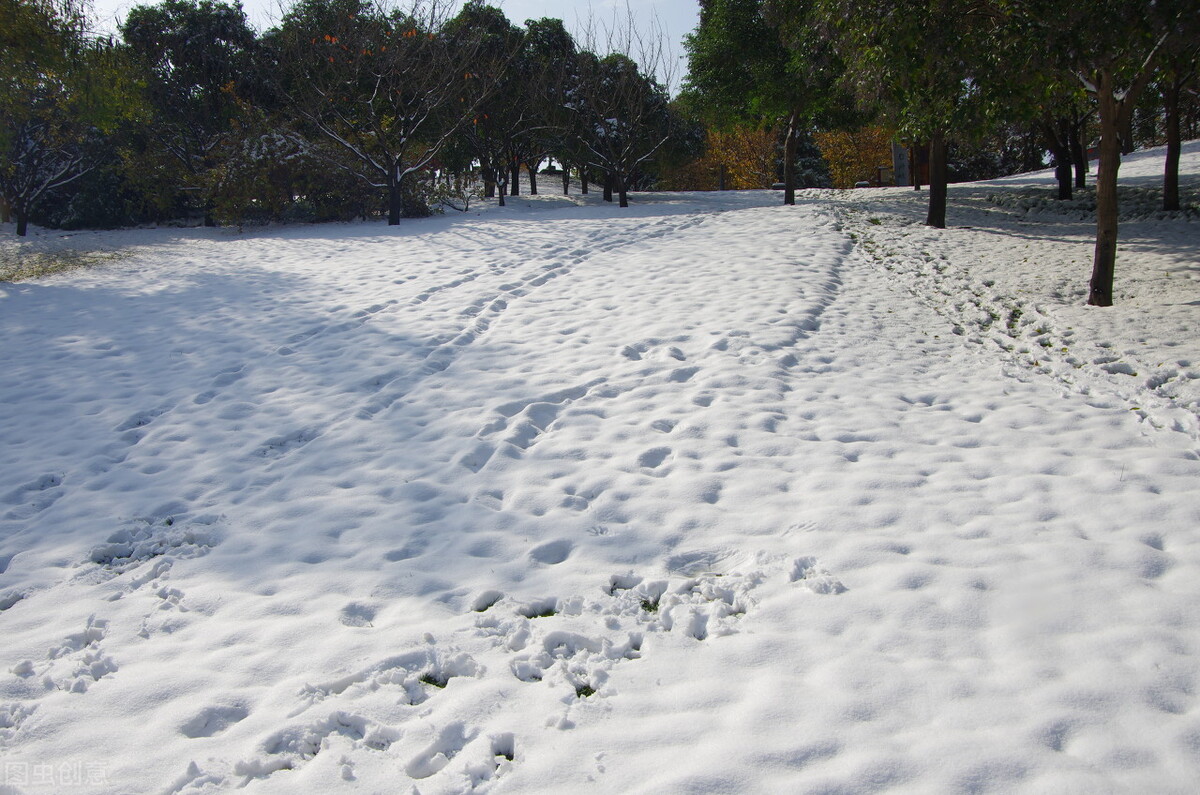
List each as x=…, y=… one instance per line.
x=705, y=496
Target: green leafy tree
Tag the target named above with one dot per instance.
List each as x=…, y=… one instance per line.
x=921, y=62
x=199, y=56
x=1114, y=63
x=504, y=115
x=767, y=63
x=61, y=91
x=548, y=60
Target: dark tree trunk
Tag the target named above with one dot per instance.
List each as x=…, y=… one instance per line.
x=1079, y=155
x=1171, y=171
x=1100, y=290
x=622, y=191
x=789, y=159
x=489, y=182
x=22, y=222
x=1058, y=142
x=1062, y=172
x=533, y=167
x=608, y=186
x=515, y=173
x=566, y=178
x=937, y=181
x=583, y=181
x=914, y=167
x=395, y=198
x=501, y=186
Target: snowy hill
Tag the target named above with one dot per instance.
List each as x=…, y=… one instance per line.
x=708, y=495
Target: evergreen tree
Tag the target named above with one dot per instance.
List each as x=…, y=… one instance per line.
x=200, y=59
x=60, y=92
x=922, y=63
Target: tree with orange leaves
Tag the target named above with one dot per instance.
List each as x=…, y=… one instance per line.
x=385, y=89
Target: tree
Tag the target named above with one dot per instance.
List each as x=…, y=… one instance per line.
x=1114, y=63
x=920, y=62
x=200, y=59
x=384, y=88
x=741, y=158
x=627, y=118
x=853, y=157
x=740, y=72
x=60, y=90
x=1181, y=63
x=503, y=113
x=549, y=61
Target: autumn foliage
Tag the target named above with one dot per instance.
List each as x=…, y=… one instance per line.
x=743, y=158
x=855, y=156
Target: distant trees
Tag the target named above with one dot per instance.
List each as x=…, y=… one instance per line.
x=346, y=107
x=626, y=116
x=384, y=91
x=854, y=156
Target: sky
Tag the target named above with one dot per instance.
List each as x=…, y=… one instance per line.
x=675, y=18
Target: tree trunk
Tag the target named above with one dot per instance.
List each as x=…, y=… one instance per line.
x=395, y=199
x=1171, y=172
x=489, y=182
x=1058, y=142
x=1126, y=134
x=515, y=185
x=622, y=191
x=533, y=166
x=22, y=221
x=566, y=180
x=914, y=167
x=937, y=181
x=501, y=186
x=608, y=186
x=1079, y=154
x=1100, y=290
x=789, y=159
x=583, y=180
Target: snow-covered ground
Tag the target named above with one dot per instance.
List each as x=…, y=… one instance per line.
x=707, y=495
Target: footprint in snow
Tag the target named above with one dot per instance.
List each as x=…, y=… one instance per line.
x=357, y=615
x=451, y=740
x=212, y=721
x=552, y=552
x=812, y=575
x=653, y=458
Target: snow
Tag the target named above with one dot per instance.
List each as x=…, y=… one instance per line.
x=706, y=495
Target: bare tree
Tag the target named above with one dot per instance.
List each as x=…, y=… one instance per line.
x=624, y=113
x=386, y=88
